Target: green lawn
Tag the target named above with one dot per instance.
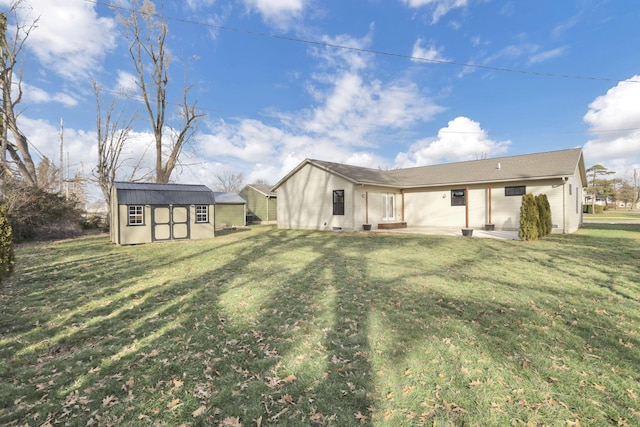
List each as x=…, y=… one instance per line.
x=266, y=327
x=614, y=215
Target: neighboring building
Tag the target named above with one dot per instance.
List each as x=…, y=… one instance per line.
x=147, y=212
x=231, y=210
x=322, y=195
x=262, y=203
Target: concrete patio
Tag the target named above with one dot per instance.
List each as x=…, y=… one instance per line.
x=477, y=233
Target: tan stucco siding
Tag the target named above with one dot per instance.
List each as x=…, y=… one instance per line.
x=201, y=230
x=305, y=201
x=574, y=197
x=369, y=203
x=134, y=234
x=432, y=207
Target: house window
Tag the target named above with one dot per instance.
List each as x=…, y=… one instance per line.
x=388, y=207
x=518, y=190
x=136, y=215
x=338, y=202
x=458, y=197
x=202, y=213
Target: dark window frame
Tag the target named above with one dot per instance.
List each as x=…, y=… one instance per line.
x=338, y=202
x=202, y=217
x=135, y=215
x=515, y=190
x=458, y=197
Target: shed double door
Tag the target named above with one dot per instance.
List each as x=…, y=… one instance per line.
x=170, y=222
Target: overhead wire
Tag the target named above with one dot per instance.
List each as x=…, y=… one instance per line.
x=365, y=50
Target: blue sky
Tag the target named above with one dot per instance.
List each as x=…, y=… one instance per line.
x=422, y=81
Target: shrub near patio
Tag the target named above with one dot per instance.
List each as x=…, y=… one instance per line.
x=266, y=327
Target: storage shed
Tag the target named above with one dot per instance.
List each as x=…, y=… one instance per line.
x=149, y=212
x=262, y=203
x=231, y=210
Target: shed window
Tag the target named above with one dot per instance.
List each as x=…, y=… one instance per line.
x=518, y=190
x=458, y=197
x=202, y=213
x=338, y=202
x=136, y=215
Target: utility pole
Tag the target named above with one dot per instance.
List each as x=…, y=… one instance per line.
x=61, y=172
x=635, y=188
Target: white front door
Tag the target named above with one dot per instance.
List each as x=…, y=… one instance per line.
x=388, y=207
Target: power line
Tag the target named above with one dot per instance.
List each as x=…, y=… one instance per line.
x=371, y=51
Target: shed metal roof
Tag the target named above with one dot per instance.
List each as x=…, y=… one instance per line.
x=228, y=199
x=142, y=193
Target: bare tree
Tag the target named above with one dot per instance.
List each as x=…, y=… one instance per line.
x=147, y=33
x=48, y=175
x=113, y=131
x=11, y=82
x=228, y=181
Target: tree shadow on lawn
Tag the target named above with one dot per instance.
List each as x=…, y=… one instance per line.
x=298, y=328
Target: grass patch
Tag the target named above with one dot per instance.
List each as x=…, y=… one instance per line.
x=614, y=215
x=266, y=326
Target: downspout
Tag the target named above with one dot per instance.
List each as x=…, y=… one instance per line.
x=268, y=217
x=466, y=207
x=402, y=192
x=564, y=205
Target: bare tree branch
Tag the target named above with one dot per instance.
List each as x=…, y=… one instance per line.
x=147, y=34
x=113, y=132
x=18, y=149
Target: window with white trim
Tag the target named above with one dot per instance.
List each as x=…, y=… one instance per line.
x=136, y=215
x=202, y=213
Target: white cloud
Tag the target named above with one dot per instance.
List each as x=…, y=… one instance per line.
x=430, y=52
x=280, y=13
x=546, y=55
x=36, y=95
x=614, y=121
x=69, y=37
x=199, y=4
x=126, y=82
x=349, y=122
x=439, y=7
x=530, y=51
x=462, y=139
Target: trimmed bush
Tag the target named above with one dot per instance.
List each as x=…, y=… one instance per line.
x=529, y=218
x=544, y=213
x=7, y=257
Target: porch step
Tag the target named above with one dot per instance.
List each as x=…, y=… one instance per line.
x=392, y=225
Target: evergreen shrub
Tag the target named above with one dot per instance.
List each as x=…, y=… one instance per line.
x=529, y=218
x=7, y=257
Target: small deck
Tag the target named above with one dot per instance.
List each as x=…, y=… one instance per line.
x=391, y=225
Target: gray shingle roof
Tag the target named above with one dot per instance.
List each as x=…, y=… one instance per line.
x=264, y=189
x=551, y=164
x=139, y=193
